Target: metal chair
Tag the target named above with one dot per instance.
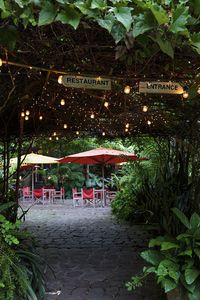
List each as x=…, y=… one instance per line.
x=59, y=195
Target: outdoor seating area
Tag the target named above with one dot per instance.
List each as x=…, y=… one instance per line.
x=42, y=195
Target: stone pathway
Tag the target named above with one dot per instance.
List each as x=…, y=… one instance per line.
x=91, y=254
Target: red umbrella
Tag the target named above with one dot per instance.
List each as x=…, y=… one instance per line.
x=100, y=156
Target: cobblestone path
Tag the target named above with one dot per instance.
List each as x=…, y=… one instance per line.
x=91, y=254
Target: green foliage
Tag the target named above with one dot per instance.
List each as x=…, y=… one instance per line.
x=174, y=261
x=20, y=268
x=170, y=20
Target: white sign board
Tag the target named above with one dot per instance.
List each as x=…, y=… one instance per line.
x=97, y=83
x=158, y=87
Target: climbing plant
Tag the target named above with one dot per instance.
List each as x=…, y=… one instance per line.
x=170, y=25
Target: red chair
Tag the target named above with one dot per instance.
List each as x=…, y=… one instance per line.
x=27, y=194
x=88, y=196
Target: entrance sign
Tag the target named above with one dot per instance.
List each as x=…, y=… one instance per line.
x=97, y=83
x=158, y=87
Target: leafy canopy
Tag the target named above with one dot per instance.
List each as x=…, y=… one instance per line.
x=170, y=24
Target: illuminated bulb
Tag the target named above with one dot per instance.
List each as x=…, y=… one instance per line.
x=27, y=112
x=57, y=138
x=127, y=125
x=54, y=133
x=126, y=129
x=50, y=138
x=103, y=133
x=26, y=118
x=65, y=126
x=145, y=108
x=149, y=122
x=60, y=79
x=185, y=94
x=77, y=132
x=22, y=114
x=1, y=62
x=62, y=102
x=92, y=116
x=198, y=90
x=127, y=89
x=106, y=104
x=40, y=117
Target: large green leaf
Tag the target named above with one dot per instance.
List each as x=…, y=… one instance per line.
x=168, y=284
x=165, y=45
x=182, y=217
x=195, y=220
x=191, y=275
x=100, y=4
x=143, y=23
x=118, y=32
x=159, y=13
x=168, y=245
x=69, y=16
x=180, y=17
x=195, y=41
x=123, y=15
x=2, y=5
x=152, y=256
x=107, y=22
x=156, y=242
x=47, y=14
x=8, y=37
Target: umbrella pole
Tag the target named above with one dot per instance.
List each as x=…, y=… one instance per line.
x=32, y=184
x=104, y=200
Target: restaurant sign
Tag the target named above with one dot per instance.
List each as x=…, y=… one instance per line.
x=158, y=87
x=97, y=83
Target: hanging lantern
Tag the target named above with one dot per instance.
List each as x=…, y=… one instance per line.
x=62, y=102
x=60, y=79
x=127, y=89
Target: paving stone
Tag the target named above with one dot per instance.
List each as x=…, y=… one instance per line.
x=92, y=255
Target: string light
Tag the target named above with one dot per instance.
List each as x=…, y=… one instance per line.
x=127, y=89
x=60, y=78
x=62, y=102
x=65, y=126
x=1, y=62
x=145, y=108
x=103, y=133
x=126, y=129
x=54, y=133
x=185, y=94
x=22, y=114
x=26, y=118
x=106, y=104
x=40, y=117
x=127, y=125
x=27, y=112
x=92, y=115
x=77, y=132
x=149, y=122
x=57, y=138
x=50, y=138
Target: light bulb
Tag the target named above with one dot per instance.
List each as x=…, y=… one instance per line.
x=198, y=90
x=145, y=108
x=103, y=133
x=60, y=79
x=26, y=118
x=50, y=138
x=27, y=112
x=54, y=133
x=65, y=126
x=22, y=114
x=77, y=132
x=92, y=116
x=127, y=89
x=149, y=122
x=62, y=102
x=106, y=104
x=57, y=138
x=127, y=125
x=126, y=129
x=40, y=117
x=185, y=94
x=1, y=62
